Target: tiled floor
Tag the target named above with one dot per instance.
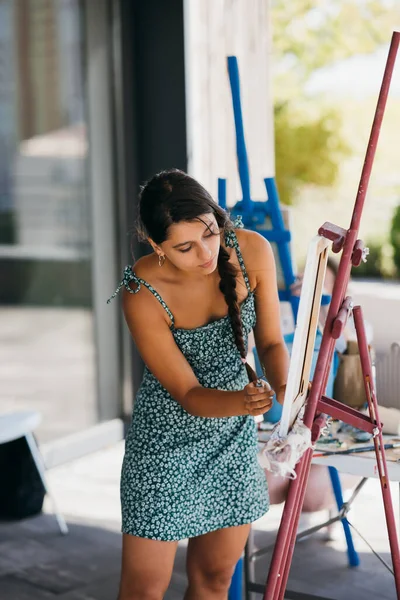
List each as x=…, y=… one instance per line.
x=37, y=563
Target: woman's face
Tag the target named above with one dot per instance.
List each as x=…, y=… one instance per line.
x=193, y=245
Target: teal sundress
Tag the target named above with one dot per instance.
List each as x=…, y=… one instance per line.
x=182, y=475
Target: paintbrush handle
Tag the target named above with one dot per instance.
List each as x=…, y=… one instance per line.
x=356, y=450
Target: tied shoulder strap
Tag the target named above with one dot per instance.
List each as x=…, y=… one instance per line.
x=128, y=278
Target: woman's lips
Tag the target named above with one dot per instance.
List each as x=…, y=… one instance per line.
x=208, y=264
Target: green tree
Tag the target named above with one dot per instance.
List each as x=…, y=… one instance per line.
x=395, y=238
x=309, y=35
x=306, y=150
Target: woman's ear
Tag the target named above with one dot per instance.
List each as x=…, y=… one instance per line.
x=155, y=247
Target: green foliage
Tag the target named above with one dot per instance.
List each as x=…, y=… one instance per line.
x=306, y=150
x=371, y=268
x=395, y=238
x=379, y=263
x=308, y=35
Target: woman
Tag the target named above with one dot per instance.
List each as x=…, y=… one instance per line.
x=190, y=468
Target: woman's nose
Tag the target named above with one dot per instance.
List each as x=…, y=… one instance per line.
x=205, y=252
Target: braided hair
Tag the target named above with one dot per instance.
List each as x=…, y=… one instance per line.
x=228, y=272
x=173, y=196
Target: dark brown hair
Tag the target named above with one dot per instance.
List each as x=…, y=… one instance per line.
x=173, y=196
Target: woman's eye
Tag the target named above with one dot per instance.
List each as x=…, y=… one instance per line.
x=186, y=249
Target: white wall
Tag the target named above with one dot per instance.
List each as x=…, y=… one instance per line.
x=215, y=29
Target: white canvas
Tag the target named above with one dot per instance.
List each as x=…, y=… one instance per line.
x=305, y=332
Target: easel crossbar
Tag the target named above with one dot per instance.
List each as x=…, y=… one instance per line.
x=349, y=415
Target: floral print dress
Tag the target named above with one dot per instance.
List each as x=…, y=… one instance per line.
x=183, y=475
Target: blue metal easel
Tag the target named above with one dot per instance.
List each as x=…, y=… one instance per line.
x=255, y=216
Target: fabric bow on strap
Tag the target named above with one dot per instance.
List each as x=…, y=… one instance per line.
x=128, y=277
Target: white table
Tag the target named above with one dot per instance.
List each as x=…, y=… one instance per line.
x=361, y=466
x=356, y=464
x=364, y=467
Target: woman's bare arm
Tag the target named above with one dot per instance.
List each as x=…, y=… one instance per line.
x=271, y=348
x=148, y=324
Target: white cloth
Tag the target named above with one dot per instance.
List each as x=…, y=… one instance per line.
x=281, y=455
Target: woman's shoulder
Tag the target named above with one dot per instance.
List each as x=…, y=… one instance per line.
x=254, y=247
x=257, y=254
x=135, y=303
x=144, y=266
x=138, y=273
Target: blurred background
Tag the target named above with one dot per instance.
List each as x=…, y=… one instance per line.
x=97, y=95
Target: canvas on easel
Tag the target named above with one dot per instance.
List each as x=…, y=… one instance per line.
x=305, y=332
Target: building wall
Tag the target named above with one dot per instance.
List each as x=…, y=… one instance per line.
x=213, y=31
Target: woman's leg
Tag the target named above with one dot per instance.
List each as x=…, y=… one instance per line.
x=318, y=495
x=146, y=568
x=211, y=561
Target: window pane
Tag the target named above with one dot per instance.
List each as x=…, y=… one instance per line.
x=46, y=319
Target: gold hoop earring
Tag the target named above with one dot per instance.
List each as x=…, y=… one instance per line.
x=161, y=260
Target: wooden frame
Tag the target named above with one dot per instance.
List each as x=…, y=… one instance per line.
x=305, y=332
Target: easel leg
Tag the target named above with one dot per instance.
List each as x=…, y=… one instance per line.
x=379, y=444
x=303, y=473
x=354, y=560
x=292, y=540
x=280, y=562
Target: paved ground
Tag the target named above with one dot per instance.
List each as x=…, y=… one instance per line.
x=37, y=563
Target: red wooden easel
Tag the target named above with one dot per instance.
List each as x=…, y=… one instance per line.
x=318, y=405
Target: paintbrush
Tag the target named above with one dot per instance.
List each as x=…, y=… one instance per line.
x=357, y=450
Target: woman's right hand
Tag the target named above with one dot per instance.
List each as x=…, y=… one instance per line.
x=258, y=398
